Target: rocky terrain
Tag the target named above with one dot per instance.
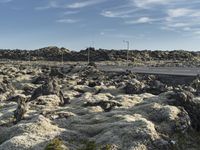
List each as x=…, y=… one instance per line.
x=83, y=108
x=136, y=57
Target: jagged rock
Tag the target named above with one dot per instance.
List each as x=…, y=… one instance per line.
x=17, y=97
x=40, y=80
x=28, y=90
x=156, y=87
x=189, y=89
x=29, y=134
x=21, y=108
x=162, y=144
x=55, y=72
x=102, y=113
x=184, y=122
x=81, y=81
x=92, y=64
x=49, y=88
x=93, y=83
x=110, y=147
x=48, y=100
x=6, y=86
x=3, y=88
x=196, y=85
x=5, y=80
x=133, y=88
x=106, y=105
x=91, y=72
x=182, y=97
x=192, y=106
x=55, y=54
x=6, y=90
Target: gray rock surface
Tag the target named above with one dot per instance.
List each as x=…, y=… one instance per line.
x=98, y=114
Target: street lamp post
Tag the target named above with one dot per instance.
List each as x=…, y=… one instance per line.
x=127, y=56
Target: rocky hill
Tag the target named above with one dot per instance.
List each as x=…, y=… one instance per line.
x=56, y=54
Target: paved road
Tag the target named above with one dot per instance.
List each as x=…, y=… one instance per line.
x=182, y=71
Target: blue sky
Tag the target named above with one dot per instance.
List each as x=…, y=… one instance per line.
x=76, y=24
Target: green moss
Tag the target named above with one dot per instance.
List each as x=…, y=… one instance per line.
x=55, y=144
x=107, y=147
x=89, y=145
x=188, y=140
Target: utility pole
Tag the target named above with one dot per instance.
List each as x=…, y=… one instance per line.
x=62, y=60
x=93, y=46
x=29, y=57
x=128, y=46
x=88, y=49
x=37, y=55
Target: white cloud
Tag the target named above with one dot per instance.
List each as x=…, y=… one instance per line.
x=197, y=32
x=141, y=20
x=183, y=18
x=102, y=33
x=179, y=24
x=70, y=12
x=187, y=29
x=82, y=4
x=67, y=21
x=173, y=15
x=179, y=12
x=63, y=4
x=180, y=16
x=5, y=1
x=117, y=14
x=51, y=4
x=148, y=3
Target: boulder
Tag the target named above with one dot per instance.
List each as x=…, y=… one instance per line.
x=49, y=88
x=55, y=72
x=48, y=100
x=93, y=83
x=40, y=79
x=92, y=64
x=105, y=105
x=133, y=88
x=21, y=109
x=156, y=87
x=28, y=89
x=196, y=85
x=186, y=100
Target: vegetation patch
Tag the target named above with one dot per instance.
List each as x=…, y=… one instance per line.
x=188, y=140
x=55, y=144
x=91, y=145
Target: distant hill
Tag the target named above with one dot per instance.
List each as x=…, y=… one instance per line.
x=54, y=53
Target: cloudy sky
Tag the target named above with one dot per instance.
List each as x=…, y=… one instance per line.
x=76, y=24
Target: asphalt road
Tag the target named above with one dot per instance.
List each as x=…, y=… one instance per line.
x=177, y=71
x=182, y=71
